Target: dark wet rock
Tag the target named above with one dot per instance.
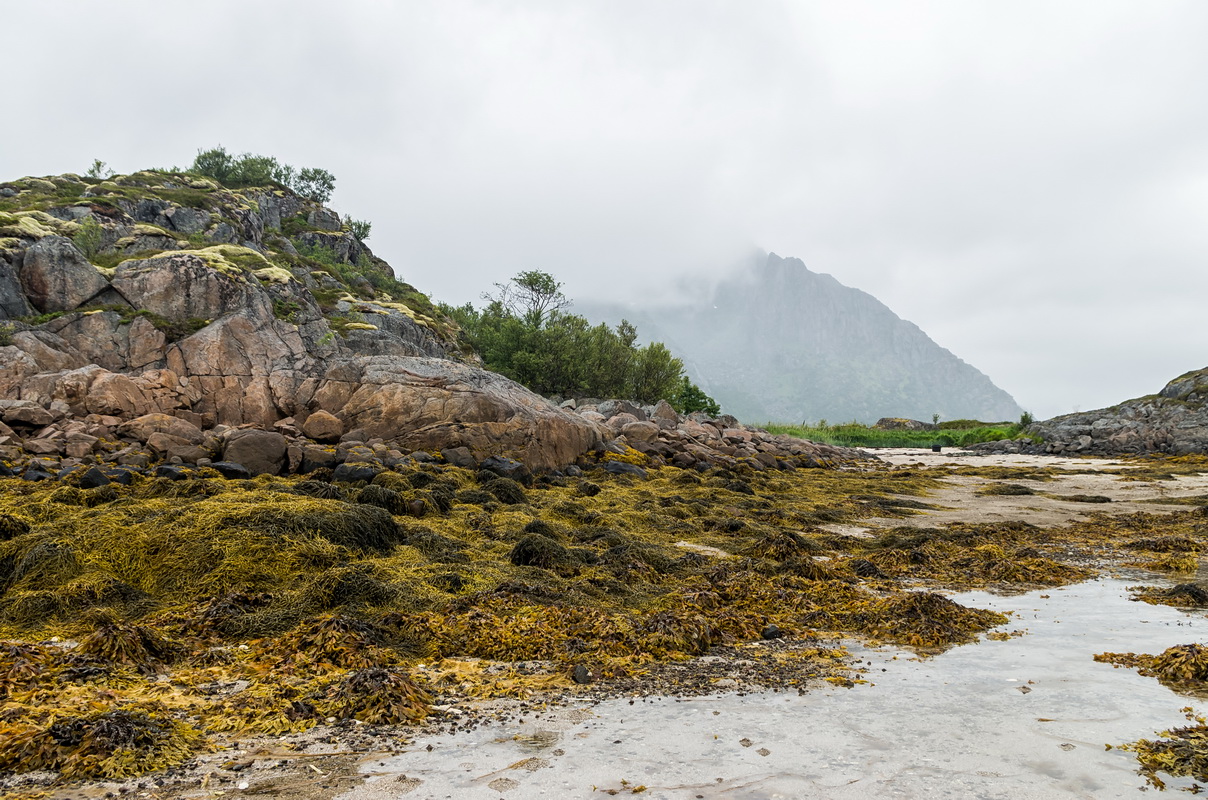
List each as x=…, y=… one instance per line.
x=171, y=472
x=92, y=478
x=622, y=468
x=36, y=474
x=459, y=457
x=350, y=472
x=122, y=475
x=315, y=458
x=581, y=674
x=231, y=470
x=506, y=468
x=771, y=632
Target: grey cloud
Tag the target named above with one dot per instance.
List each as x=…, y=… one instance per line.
x=1025, y=181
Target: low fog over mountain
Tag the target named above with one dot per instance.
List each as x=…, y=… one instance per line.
x=780, y=343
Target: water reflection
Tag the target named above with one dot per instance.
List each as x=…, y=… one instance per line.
x=1027, y=717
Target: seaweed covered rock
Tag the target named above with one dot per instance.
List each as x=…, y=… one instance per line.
x=111, y=744
x=379, y=696
x=535, y=550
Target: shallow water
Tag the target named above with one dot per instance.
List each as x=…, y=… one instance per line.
x=954, y=726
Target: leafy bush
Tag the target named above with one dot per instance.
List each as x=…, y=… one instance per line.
x=248, y=169
x=315, y=184
x=689, y=397
x=99, y=170
x=524, y=333
x=359, y=228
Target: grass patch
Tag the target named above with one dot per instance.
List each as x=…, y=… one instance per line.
x=855, y=434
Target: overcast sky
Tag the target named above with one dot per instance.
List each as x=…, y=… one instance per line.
x=1026, y=181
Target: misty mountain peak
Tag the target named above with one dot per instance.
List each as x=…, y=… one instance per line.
x=777, y=341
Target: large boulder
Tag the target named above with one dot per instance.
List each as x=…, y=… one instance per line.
x=323, y=427
x=261, y=452
x=141, y=428
x=56, y=276
x=432, y=404
x=181, y=286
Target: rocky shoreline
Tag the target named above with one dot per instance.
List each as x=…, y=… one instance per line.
x=40, y=443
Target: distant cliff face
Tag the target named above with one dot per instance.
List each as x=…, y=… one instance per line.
x=782, y=343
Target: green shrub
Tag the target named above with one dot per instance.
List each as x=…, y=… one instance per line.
x=689, y=397
x=359, y=228
x=99, y=170
x=89, y=237
x=286, y=310
x=248, y=169
x=524, y=333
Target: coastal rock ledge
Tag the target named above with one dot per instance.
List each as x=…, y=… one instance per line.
x=1174, y=421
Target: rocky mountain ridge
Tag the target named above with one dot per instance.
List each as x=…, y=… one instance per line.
x=220, y=315
x=779, y=342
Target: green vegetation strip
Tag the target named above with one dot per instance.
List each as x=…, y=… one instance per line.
x=854, y=434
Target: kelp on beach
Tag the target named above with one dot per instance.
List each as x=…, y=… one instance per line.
x=145, y=622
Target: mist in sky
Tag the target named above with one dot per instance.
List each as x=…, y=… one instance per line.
x=1026, y=181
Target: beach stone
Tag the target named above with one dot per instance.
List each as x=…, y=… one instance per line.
x=44, y=447
x=771, y=632
x=459, y=457
x=314, y=458
x=610, y=408
x=665, y=411
x=581, y=674
x=36, y=474
x=29, y=414
x=122, y=475
x=171, y=472
x=640, y=432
